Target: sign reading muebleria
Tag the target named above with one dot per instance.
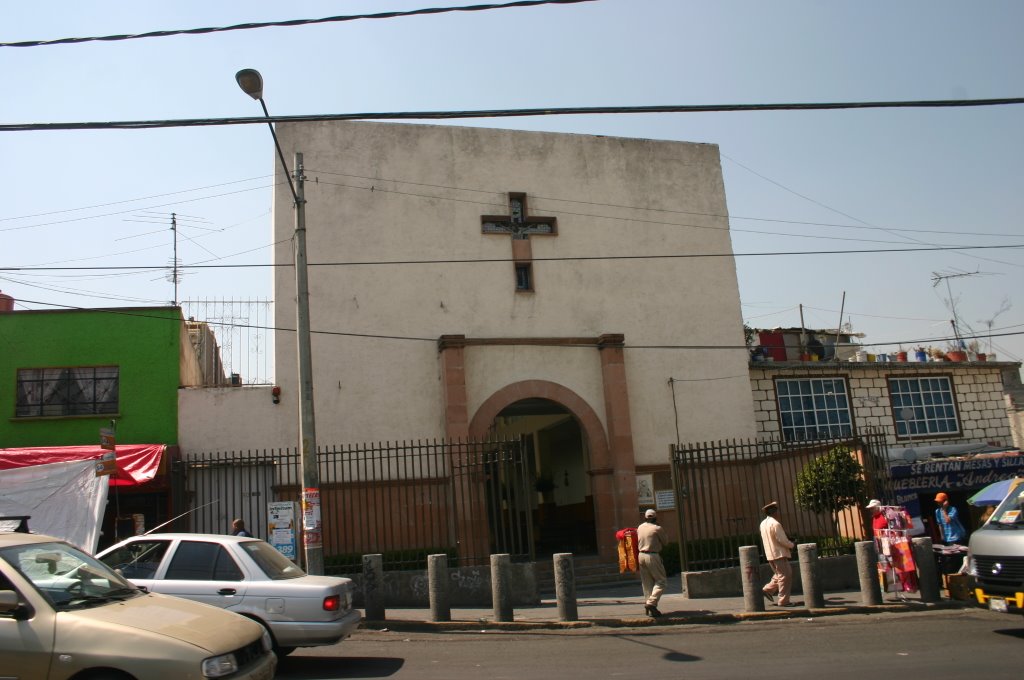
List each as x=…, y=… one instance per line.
x=959, y=473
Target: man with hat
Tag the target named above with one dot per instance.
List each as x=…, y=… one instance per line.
x=777, y=550
x=948, y=520
x=651, y=539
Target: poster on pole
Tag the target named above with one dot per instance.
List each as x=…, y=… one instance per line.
x=311, y=524
x=282, y=528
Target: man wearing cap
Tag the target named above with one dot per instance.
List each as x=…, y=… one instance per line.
x=650, y=540
x=948, y=520
x=878, y=519
x=777, y=550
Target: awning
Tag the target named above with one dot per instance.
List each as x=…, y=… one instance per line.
x=136, y=463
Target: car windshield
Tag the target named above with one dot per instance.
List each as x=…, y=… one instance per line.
x=66, y=576
x=276, y=566
x=1009, y=511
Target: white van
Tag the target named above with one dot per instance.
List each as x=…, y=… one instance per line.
x=996, y=557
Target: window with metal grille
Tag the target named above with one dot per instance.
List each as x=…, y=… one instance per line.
x=813, y=408
x=67, y=391
x=524, y=277
x=923, y=406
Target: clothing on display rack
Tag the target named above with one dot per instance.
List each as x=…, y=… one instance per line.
x=896, y=567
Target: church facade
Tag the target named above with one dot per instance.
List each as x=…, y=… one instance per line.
x=466, y=282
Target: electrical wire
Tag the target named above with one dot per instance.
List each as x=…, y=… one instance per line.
x=511, y=113
x=375, y=189
x=131, y=210
x=538, y=197
x=580, y=258
x=292, y=22
x=132, y=200
x=539, y=343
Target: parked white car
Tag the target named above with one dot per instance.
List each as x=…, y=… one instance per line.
x=244, y=575
x=64, y=615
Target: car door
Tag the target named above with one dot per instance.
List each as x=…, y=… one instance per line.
x=203, y=571
x=138, y=560
x=26, y=646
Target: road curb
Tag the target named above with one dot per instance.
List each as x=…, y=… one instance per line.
x=484, y=625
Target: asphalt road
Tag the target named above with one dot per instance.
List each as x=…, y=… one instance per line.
x=953, y=644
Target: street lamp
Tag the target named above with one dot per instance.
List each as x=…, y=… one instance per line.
x=251, y=83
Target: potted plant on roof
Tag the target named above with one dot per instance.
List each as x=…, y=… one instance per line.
x=974, y=353
x=956, y=353
x=936, y=354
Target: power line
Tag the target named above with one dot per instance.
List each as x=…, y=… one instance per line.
x=131, y=210
x=132, y=200
x=291, y=22
x=538, y=342
x=511, y=113
x=579, y=258
x=637, y=220
x=501, y=205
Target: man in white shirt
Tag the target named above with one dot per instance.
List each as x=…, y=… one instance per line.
x=777, y=550
x=651, y=539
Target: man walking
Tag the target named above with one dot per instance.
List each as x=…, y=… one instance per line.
x=650, y=540
x=238, y=528
x=777, y=550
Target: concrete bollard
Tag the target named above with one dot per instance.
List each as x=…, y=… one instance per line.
x=501, y=588
x=565, y=587
x=437, y=580
x=867, y=572
x=373, y=586
x=810, y=576
x=927, y=572
x=753, y=597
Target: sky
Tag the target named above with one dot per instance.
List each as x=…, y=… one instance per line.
x=796, y=182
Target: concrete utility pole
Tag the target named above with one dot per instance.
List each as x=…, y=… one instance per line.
x=251, y=83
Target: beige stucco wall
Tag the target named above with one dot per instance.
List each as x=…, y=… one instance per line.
x=234, y=419
x=430, y=186
x=978, y=389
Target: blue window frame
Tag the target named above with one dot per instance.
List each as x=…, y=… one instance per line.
x=923, y=406
x=813, y=408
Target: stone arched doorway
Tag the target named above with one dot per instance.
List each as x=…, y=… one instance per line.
x=567, y=447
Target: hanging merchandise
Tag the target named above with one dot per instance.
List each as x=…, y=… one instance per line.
x=629, y=550
x=896, y=567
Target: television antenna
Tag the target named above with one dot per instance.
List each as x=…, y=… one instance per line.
x=178, y=221
x=937, y=279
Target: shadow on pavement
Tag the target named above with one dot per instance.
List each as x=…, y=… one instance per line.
x=331, y=667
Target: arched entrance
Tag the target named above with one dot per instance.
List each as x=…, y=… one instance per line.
x=565, y=443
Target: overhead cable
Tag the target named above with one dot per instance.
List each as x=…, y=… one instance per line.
x=510, y=113
x=579, y=258
x=291, y=22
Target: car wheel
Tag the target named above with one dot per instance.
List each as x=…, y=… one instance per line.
x=106, y=675
x=278, y=649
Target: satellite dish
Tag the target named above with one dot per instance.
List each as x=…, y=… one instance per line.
x=910, y=455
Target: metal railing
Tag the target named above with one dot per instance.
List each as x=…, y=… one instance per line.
x=722, y=486
x=244, y=335
x=404, y=500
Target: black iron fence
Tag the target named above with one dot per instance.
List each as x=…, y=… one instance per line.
x=722, y=486
x=404, y=500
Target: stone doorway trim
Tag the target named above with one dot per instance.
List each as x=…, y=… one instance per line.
x=612, y=461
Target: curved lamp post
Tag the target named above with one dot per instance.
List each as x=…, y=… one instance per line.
x=251, y=83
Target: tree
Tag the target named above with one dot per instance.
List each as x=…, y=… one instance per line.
x=830, y=483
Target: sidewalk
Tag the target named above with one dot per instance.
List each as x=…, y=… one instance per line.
x=622, y=605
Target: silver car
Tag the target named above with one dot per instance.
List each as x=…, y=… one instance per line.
x=245, y=575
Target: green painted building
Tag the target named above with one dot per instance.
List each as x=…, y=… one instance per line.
x=64, y=374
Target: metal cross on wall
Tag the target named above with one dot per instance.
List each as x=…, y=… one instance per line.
x=520, y=225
